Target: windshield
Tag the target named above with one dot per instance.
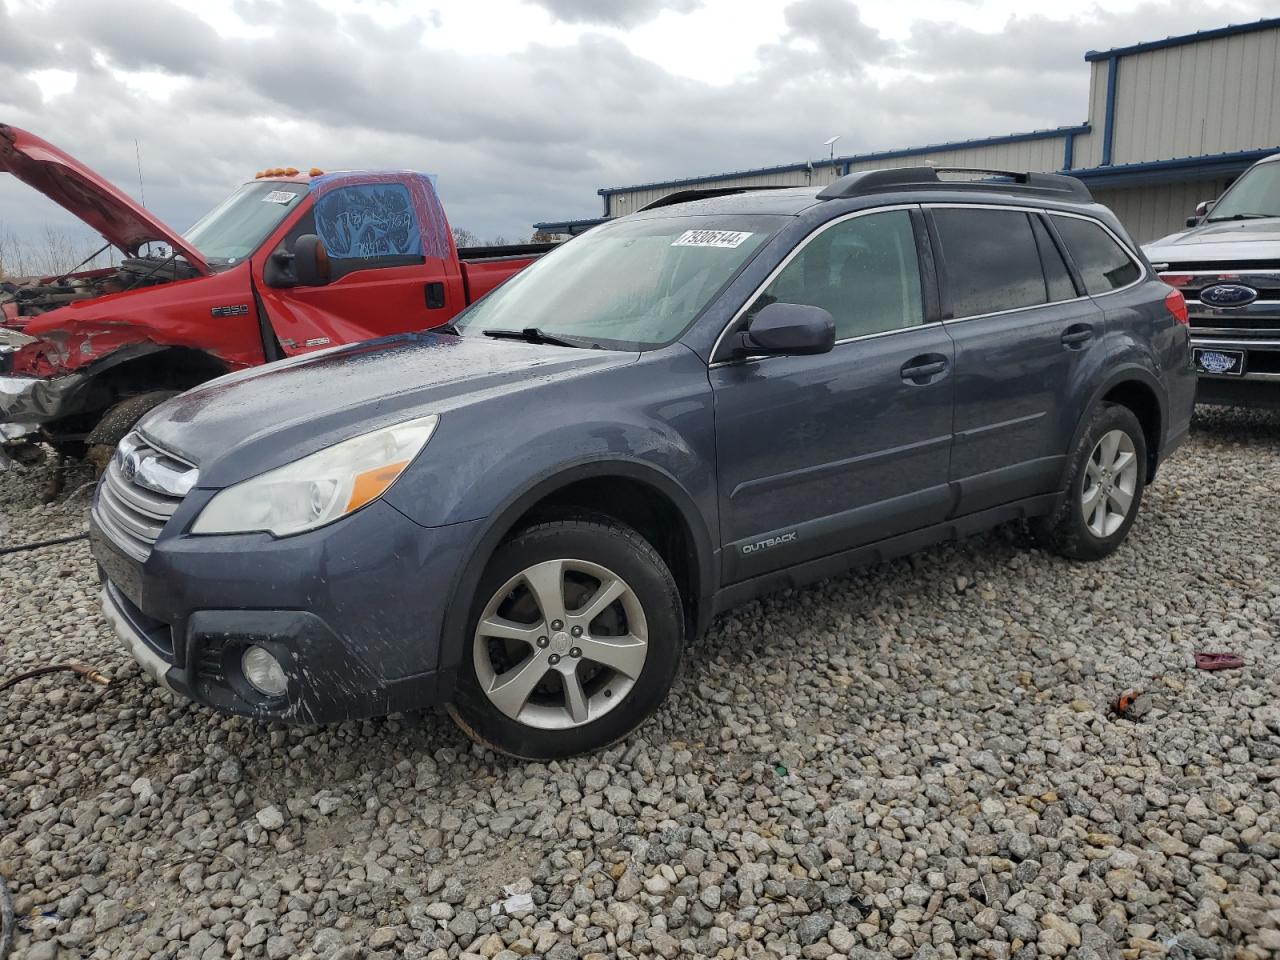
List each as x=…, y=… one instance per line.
x=237, y=226
x=629, y=285
x=1255, y=194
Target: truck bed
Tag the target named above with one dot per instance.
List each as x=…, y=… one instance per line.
x=484, y=268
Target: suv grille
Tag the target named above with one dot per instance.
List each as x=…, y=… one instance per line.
x=138, y=493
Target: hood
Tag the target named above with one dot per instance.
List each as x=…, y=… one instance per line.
x=1229, y=240
x=242, y=424
x=80, y=191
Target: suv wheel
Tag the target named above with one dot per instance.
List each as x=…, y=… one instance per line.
x=576, y=632
x=1108, y=476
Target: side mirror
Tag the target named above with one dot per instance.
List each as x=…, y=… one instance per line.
x=306, y=266
x=1202, y=211
x=310, y=261
x=788, y=329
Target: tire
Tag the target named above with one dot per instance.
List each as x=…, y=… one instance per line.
x=117, y=422
x=1093, y=530
x=638, y=629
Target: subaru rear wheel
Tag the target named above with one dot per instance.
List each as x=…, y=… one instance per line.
x=1104, y=491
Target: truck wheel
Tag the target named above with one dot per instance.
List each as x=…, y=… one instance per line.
x=117, y=422
x=1108, y=476
x=575, y=634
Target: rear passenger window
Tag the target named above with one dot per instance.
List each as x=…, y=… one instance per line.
x=1056, y=276
x=1102, y=262
x=991, y=259
x=863, y=271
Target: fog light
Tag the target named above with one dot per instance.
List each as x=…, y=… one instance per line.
x=264, y=673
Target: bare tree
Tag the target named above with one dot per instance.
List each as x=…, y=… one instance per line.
x=462, y=237
x=54, y=251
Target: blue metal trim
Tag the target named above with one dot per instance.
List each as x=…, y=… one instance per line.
x=1229, y=31
x=1177, y=168
x=568, y=226
x=1109, y=125
x=1069, y=151
x=845, y=161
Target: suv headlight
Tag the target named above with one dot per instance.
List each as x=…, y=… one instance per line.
x=320, y=488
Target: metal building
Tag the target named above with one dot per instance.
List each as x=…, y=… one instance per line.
x=1171, y=122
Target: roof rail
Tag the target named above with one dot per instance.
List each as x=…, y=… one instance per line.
x=706, y=193
x=926, y=178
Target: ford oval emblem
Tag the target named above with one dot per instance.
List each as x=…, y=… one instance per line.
x=1228, y=295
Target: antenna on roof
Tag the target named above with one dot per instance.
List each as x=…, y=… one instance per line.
x=831, y=146
x=137, y=156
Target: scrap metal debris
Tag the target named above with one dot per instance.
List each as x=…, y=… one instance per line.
x=1131, y=705
x=87, y=672
x=56, y=541
x=1219, y=661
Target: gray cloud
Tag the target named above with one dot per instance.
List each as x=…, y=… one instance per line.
x=613, y=13
x=140, y=35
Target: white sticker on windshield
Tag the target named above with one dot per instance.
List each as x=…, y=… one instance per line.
x=711, y=238
x=279, y=196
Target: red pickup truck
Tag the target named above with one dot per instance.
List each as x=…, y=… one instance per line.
x=290, y=263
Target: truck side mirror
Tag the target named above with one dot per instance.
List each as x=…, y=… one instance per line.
x=1202, y=211
x=306, y=266
x=310, y=261
x=788, y=329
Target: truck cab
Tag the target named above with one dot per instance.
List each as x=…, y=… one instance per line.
x=1227, y=265
x=290, y=263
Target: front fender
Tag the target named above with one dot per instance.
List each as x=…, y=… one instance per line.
x=494, y=529
x=491, y=461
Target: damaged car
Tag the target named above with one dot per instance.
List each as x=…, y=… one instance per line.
x=291, y=263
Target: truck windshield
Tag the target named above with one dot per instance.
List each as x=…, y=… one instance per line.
x=234, y=228
x=628, y=285
x=1255, y=194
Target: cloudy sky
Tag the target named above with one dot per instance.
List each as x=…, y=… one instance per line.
x=523, y=108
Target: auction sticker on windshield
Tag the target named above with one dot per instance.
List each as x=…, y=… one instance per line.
x=279, y=196
x=711, y=238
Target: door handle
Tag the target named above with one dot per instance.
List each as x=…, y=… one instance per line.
x=1077, y=334
x=435, y=295
x=923, y=369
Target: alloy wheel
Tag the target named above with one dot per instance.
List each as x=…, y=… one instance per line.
x=1111, y=477
x=560, y=644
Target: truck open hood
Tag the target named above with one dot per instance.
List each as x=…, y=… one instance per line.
x=1229, y=240
x=77, y=189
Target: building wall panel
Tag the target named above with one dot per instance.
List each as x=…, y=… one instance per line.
x=1216, y=96
x=1151, y=212
x=1088, y=147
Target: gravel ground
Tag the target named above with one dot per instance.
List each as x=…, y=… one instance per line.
x=915, y=761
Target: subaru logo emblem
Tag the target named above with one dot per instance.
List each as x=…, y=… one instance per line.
x=129, y=465
x=1228, y=295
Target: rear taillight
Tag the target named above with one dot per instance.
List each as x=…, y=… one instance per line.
x=1177, y=279
x=1176, y=304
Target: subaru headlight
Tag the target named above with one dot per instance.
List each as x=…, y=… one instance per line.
x=320, y=488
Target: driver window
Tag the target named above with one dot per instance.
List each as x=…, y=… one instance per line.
x=864, y=272
x=368, y=225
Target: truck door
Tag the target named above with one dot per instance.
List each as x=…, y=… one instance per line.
x=387, y=274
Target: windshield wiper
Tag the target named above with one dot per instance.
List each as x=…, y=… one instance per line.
x=534, y=335
x=1242, y=216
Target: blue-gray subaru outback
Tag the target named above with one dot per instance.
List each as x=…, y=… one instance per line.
x=526, y=516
